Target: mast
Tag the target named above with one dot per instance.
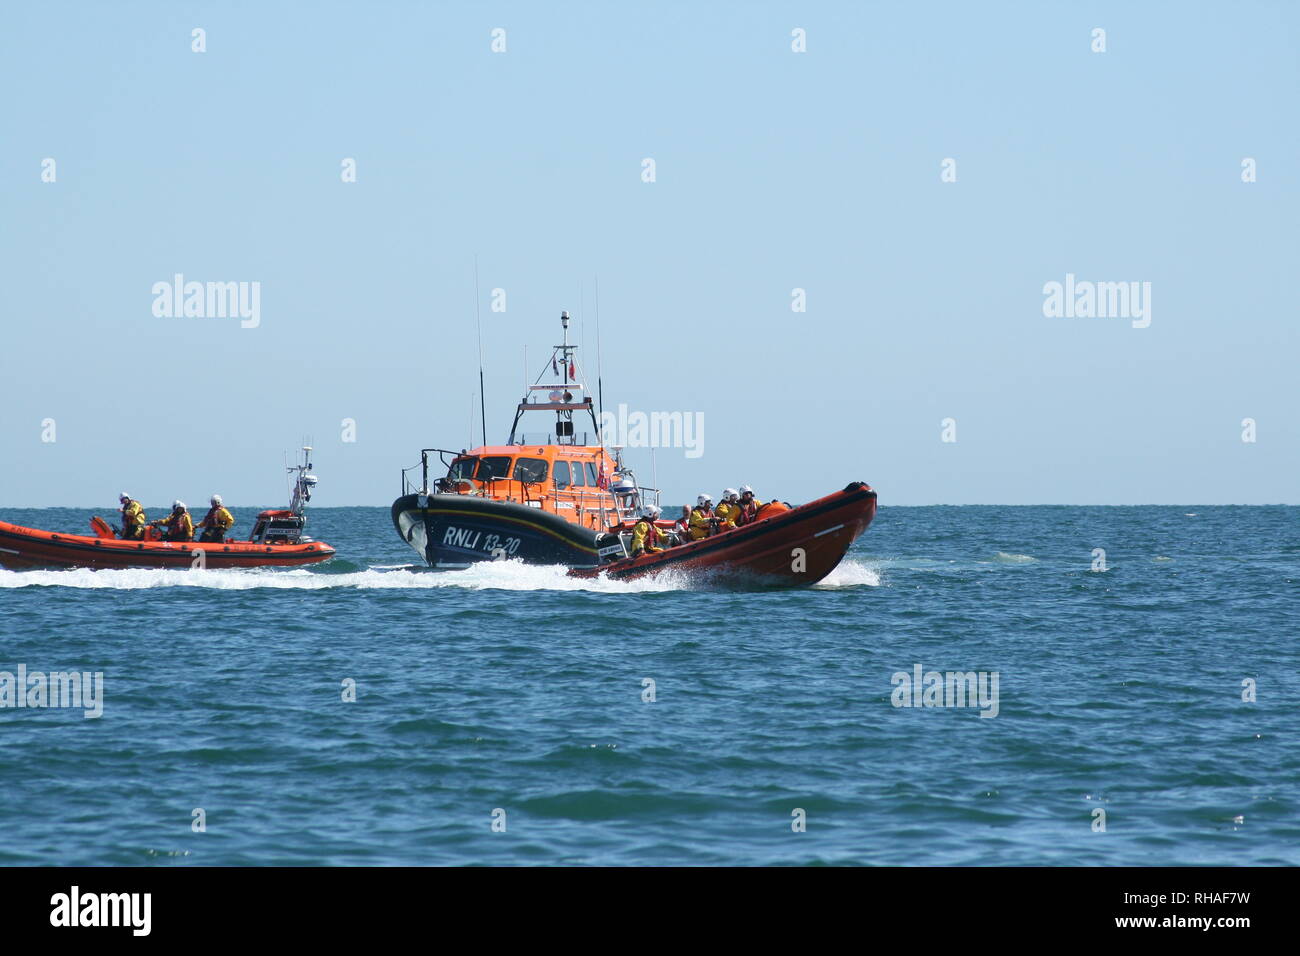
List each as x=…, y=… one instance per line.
x=600, y=381
x=303, y=482
x=560, y=396
x=478, y=330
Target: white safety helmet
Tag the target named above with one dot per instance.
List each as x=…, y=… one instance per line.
x=124, y=497
x=652, y=511
x=178, y=505
x=216, y=501
x=746, y=490
x=703, y=500
x=729, y=493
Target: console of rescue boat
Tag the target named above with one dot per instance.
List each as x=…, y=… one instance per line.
x=285, y=526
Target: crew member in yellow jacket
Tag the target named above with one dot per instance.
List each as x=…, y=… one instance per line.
x=700, y=524
x=132, y=518
x=646, y=536
x=728, y=510
x=180, y=526
x=216, y=522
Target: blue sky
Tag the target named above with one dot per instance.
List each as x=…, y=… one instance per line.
x=775, y=170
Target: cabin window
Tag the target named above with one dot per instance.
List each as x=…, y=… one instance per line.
x=562, y=478
x=591, y=473
x=494, y=468
x=578, y=481
x=530, y=469
x=462, y=468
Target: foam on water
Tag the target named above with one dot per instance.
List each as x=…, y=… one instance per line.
x=1005, y=557
x=499, y=575
x=487, y=575
x=850, y=574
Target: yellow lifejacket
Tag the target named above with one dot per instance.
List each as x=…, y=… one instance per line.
x=218, y=517
x=645, y=537
x=132, y=515
x=180, y=527
x=699, y=525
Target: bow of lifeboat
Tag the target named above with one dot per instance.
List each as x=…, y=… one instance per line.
x=514, y=502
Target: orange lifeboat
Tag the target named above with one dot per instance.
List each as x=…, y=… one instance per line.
x=562, y=498
x=277, y=540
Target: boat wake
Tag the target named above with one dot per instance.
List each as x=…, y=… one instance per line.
x=1004, y=557
x=495, y=575
x=485, y=576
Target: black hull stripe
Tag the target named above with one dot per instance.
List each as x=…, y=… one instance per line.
x=573, y=535
x=583, y=546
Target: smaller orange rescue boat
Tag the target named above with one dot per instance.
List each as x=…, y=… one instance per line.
x=782, y=547
x=277, y=541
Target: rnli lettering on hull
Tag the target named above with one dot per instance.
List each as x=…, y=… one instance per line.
x=470, y=539
x=466, y=538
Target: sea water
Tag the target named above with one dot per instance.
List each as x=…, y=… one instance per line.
x=1140, y=703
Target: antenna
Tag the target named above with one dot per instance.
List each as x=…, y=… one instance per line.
x=564, y=324
x=302, y=481
x=600, y=384
x=478, y=330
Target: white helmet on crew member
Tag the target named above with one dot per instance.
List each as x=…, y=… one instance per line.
x=729, y=494
x=651, y=511
x=178, y=505
x=216, y=501
x=746, y=490
x=703, y=500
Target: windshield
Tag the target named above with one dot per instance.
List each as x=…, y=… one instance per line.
x=530, y=469
x=495, y=467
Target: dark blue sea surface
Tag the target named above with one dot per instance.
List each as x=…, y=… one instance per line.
x=515, y=689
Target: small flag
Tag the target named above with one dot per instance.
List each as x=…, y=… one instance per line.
x=554, y=368
x=573, y=369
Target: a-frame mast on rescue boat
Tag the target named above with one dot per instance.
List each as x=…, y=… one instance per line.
x=560, y=398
